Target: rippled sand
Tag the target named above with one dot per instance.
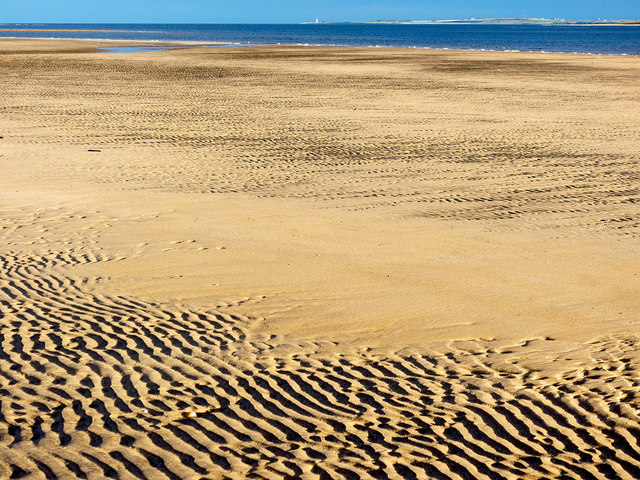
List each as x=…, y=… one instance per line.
x=318, y=263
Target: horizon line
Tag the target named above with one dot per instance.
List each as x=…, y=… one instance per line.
x=471, y=19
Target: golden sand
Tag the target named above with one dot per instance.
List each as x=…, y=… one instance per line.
x=293, y=262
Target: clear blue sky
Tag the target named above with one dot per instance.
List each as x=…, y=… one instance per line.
x=293, y=11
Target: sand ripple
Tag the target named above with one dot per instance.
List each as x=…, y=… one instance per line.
x=94, y=386
x=96, y=383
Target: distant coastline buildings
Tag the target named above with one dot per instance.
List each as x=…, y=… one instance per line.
x=495, y=21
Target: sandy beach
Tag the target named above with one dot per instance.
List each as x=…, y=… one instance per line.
x=305, y=262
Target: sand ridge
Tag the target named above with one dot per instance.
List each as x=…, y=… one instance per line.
x=317, y=263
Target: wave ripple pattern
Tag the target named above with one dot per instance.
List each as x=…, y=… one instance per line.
x=94, y=386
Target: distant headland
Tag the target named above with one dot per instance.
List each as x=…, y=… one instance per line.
x=498, y=21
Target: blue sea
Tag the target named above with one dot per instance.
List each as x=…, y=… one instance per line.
x=615, y=40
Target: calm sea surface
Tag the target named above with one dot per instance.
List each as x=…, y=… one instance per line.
x=619, y=40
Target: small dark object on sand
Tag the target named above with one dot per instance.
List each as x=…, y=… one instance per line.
x=93, y=150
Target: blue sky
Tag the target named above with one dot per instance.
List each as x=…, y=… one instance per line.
x=293, y=11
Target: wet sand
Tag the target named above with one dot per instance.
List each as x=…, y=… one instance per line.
x=304, y=262
x=58, y=30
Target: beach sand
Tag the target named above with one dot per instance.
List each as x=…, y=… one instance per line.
x=304, y=262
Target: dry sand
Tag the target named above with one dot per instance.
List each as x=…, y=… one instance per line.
x=318, y=263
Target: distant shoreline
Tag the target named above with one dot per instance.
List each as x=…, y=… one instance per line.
x=15, y=27
x=492, y=38
x=59, y=30
x=494, y=21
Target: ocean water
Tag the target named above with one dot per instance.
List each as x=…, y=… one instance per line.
x=616, y=40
